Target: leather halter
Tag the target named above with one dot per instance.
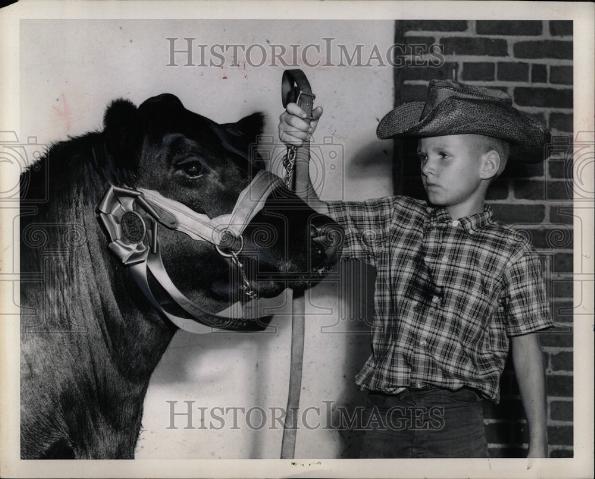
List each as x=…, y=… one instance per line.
x=141, y=254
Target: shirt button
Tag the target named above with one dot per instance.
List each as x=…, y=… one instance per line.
x=436, y=299
x=423, y=342
x=456, y=223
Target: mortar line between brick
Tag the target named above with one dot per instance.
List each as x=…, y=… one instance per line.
x=546, y=30
x=503, y=83
x=557, y=349
x=496, y=36
x=471, y=27
x=522, y=202
x=506, y=445
x=511, y=59
x=559, y=422
x=563, y=328
x=492, y=36
x=559, y=399
x=547, y=227
x=505, y=421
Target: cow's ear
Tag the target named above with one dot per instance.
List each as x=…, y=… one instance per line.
x=122, y=132
x=242, y=136
x=250, y=126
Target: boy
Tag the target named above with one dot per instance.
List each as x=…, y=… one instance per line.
x=453, y=287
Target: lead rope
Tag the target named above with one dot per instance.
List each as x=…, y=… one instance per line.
x=295, y=89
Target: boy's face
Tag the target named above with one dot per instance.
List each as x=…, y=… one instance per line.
x=450, y=167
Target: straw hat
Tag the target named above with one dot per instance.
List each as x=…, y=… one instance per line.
x=453, y=108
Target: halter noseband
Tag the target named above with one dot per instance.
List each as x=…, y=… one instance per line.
x=118, y=211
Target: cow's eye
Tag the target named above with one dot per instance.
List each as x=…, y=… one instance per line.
x=192, y=168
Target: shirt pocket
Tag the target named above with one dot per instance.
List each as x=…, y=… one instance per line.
x=470, y=305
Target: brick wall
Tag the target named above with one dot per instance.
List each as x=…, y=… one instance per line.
x=532, y=61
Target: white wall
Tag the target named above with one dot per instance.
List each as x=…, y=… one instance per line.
x=70, y=70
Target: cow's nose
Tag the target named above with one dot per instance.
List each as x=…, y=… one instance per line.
x=327, y=237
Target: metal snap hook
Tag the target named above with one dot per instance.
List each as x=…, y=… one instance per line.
x=246, y=288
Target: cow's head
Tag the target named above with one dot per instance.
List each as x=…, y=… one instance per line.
x=205, y=165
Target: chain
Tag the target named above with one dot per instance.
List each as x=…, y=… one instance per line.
x=246, y=288
x=289, y=165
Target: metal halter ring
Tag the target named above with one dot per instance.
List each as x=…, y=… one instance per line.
x=231, y=253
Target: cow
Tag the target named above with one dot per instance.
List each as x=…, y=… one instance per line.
x=91, y=336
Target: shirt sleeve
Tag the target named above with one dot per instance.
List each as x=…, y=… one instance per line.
x=366, y=225
x=527, y=308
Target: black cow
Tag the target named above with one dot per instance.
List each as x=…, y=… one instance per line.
x=90, y=340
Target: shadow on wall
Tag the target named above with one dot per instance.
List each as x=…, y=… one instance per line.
x=371, y=161
x=357, y=299
x=353, y=174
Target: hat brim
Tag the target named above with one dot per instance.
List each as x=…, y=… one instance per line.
x=455, y=116
x=401, y=119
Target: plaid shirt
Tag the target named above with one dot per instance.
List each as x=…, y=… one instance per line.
x=448, y=293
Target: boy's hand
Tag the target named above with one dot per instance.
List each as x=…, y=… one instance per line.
x=294, y=128
x=529, y=369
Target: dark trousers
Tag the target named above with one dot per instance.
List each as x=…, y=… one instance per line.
x=420, y=423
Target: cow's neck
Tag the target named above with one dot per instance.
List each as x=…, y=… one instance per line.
x=135, y=335
x=125, y=341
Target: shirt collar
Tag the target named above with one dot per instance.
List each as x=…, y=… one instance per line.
x=477, y=221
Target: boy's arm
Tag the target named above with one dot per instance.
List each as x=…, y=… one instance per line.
x=360, y=220
x=528, y=366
